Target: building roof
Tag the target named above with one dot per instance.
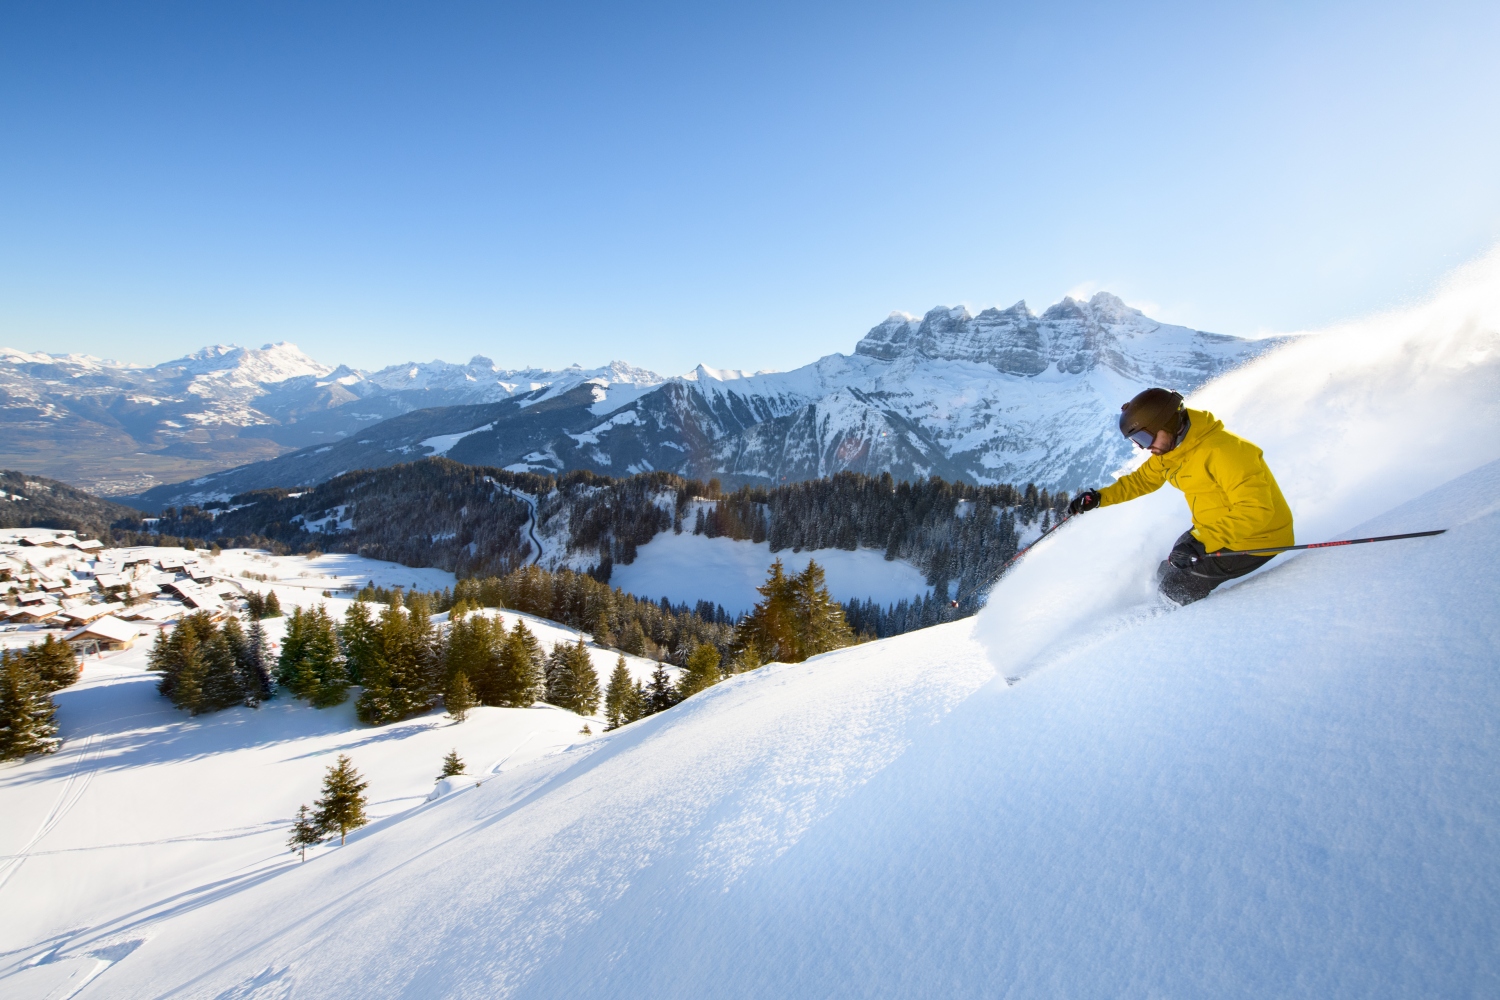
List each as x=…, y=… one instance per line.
x=91, y=612
x=109, y=628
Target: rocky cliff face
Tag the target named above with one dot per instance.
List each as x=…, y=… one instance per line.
x=1002, y=396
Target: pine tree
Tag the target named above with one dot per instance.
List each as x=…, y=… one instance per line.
x=702, y=671
x=661, y=695
x=28, y=723
x=819, y=618
x=256, y=666
x=305, y=833
x=521, y=682
x=634, y=639
x=618, y=696
x=638, y=707
x=459, y=697
x=572, y=682
x=255, y=605
x=452, y=765
x=273, y=605
x=53, y=663
x=222, y=686
x=771, y=627
x=358, y=637
x=342, y=805
x=321, y=648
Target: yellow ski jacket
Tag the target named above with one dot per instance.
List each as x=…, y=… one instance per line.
x=1235, y=501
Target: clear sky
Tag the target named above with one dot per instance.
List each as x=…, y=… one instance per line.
x=746, y=185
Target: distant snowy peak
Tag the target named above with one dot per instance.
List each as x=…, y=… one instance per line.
x=270, y=364
x=1071, y=336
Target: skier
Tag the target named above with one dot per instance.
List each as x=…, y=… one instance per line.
x=1235, y=501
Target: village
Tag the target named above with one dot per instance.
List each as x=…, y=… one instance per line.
x=98, y=600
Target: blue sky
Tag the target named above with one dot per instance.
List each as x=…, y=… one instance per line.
x=743, y=185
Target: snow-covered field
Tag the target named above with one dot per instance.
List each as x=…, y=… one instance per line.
x=690, y=567
x=1285, y=790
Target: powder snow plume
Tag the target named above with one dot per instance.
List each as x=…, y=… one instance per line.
x=1353, y=420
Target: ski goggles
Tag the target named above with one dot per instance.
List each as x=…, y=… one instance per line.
x=1140, y=438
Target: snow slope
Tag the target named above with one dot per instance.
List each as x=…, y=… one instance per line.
x=1305, y=810
x=1286, y=790
x=690, y=567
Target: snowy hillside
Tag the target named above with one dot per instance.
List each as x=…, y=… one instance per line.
x=1285, y=790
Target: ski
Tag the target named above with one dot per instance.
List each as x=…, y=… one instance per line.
x=1322, y=545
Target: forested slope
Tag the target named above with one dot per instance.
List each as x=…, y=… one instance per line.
x=470, y=521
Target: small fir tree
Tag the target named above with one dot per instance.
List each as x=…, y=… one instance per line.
x=572, y=682
x=452, y=765
x=53, y=663
x=273, y=605
x=257, y=665
x=28, y=723
x=661, y=695
x=342, y=805
x=618, y=695
x=702, y=671
x=305, y=833
x=459, y=697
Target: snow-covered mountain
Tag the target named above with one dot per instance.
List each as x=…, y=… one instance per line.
x=1002, y=396
x=1284, y=790
x=120, y=428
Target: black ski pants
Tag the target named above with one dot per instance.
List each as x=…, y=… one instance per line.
x=1189, y=575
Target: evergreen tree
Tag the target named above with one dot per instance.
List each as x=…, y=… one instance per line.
x=221, y=686
x=273, y=605
x=820, y=624
x=53, y=663
x=255, y=605
x=321, y=648
x=305, y=833
x=702, y=671
x=358, y=637
x=452, y=765
x=638, y=707
x=475, y=648
x=521, y=682
x=459, y=697
x=634, y=638
x=28, y=722
x=256, y=666
x=342, y=805
x=770, y=629
x=661, y=695
x=618, y=696
x=572, y=682
x=399, y=680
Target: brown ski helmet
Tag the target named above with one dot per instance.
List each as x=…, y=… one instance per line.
x=1152, y=411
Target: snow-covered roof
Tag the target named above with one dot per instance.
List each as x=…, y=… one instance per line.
x=108, y=627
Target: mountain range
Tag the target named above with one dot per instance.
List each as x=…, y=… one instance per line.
x=1002, y=396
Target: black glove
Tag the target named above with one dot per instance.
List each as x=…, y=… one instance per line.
x=1186, y=552
x=1087, y=500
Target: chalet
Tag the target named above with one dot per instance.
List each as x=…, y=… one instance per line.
x=91, y=612
x=32, y=614
x=110, y=581
x=109, y=632
x=32, y=597
x=90, y=545
x=154, y=612
x=77, y=590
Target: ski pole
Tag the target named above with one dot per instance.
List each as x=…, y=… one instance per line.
x=1320, y=545
x=1061, y=521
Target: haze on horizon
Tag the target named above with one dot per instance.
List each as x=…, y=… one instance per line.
x=669, y=185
